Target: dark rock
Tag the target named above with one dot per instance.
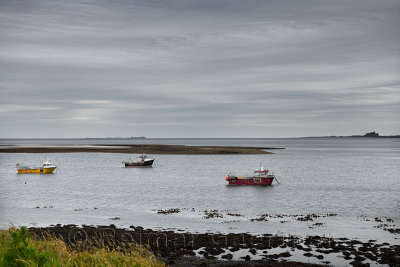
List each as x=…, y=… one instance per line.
x=169, y=211
x=253, y=251
x=285, y=254
x=235, y=248
x=210, y=257
x=227, y=256
x=320, y=257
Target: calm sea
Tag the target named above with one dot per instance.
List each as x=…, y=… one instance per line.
x=356, y=178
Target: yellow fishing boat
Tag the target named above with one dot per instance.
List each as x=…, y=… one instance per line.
x=47, y=167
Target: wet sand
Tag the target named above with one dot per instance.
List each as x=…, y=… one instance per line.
x=138, y=149
x=178, y=248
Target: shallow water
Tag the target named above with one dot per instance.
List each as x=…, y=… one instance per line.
x=355, y=178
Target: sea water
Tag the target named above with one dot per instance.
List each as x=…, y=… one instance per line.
x=353, y=179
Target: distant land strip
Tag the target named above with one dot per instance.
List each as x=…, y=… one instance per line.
x=138, y=149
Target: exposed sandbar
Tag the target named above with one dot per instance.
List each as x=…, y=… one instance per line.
x=137, y=149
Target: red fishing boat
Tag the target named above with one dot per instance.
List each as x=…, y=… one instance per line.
x=261, y=177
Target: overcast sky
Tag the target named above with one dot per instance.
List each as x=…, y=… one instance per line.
x=197, y=68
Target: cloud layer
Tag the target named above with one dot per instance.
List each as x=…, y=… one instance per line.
x=198, y=68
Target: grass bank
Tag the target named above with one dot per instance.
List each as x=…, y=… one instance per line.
x=20, y=248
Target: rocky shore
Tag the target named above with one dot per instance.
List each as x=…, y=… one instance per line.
x=138, y=149
x=213, y=249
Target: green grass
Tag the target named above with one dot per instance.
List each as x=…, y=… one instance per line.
x=19, y=248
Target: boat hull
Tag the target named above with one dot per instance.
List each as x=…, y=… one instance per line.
x=147, y=163
x=37, y=170
x=251, y=181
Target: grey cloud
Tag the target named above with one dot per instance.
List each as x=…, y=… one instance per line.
x=199, y=68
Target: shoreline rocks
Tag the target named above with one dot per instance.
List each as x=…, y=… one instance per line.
x=177, y=247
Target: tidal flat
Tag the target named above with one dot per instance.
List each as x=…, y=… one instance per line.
x=138, y=149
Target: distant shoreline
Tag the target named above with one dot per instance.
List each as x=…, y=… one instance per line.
x=138, y=149
x=123, y=139
x=353, y=136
